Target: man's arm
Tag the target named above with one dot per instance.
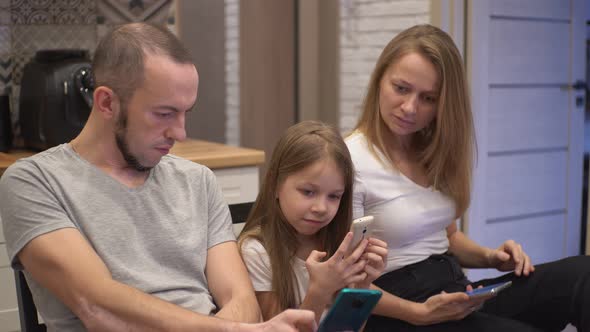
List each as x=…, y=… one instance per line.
x=63, y=262
x=230, y=284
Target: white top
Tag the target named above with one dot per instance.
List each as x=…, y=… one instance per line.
x=412, y=219
x=258, y=264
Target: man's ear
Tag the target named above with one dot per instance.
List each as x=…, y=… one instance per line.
x=106, y=102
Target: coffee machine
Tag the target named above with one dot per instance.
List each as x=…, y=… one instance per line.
x=55, y=97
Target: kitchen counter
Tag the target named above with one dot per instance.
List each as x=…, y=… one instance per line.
x=212, y=155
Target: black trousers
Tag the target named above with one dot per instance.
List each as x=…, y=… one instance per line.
x=556, y=294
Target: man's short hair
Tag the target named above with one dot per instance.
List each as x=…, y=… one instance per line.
x=120, y=56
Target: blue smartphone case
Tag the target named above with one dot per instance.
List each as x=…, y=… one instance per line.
x=350, y=310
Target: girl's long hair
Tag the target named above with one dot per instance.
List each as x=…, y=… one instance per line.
x=445, y=147
x=300, y=146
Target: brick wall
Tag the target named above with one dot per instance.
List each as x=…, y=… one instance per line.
x=366, y=26
x=232, y=72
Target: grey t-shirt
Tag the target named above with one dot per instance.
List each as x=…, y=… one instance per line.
x=154, y=237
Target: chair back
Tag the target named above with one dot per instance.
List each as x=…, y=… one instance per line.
x=27, y=311
x=239, y=213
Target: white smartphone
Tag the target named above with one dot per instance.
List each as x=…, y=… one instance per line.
x=489, y=290
x=361, y=229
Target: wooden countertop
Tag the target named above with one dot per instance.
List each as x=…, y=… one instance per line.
x=212, y=155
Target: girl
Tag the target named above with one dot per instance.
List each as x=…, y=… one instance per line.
x=412, y=150
x=296, y=241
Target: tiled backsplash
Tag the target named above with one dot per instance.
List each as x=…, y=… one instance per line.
x=27, y=26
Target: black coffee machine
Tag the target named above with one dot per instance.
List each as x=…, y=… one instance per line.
x=55, y=97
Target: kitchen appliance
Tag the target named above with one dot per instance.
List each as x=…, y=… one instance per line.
x=5, y=124
x=55, y=97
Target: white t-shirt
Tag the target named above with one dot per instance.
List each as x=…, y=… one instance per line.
x=258, y=264
x=412, y=219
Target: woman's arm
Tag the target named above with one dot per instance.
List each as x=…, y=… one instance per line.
x=509, y=256
x=469, y=253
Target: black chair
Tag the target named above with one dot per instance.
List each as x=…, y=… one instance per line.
x=27, y=310
x=239, y=212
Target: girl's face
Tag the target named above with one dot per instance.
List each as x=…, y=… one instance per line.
x=408, y=94
x=310, y=197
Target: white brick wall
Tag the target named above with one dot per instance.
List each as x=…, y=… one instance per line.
x=366, y=26
x=232, y=72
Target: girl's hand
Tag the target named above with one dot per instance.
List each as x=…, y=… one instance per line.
x=328, y=277
x=376, y=256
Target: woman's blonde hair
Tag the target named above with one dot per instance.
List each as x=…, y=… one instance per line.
x=300, y=146
x=445, y=147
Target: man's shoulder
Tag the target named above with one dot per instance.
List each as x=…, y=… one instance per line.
x=171, y=161
x=180, y=168
x=50, y=159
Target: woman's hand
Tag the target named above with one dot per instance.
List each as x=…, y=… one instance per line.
x=328, y=277
x=376, y=256
x=510, y=257
x=446, y=307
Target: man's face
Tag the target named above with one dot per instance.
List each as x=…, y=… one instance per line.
x=154, y=117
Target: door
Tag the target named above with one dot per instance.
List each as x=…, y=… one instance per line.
x=523, y=58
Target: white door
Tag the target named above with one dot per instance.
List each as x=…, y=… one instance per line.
x=522, y=56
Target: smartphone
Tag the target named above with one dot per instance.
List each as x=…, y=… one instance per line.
x=361, y=229
x=350, y=310
x=489, y=290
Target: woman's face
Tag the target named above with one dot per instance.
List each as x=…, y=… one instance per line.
x=408, y=95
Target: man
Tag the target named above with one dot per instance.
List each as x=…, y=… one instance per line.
x=115, y=234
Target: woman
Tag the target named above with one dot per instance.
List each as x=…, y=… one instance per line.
x=412, y=150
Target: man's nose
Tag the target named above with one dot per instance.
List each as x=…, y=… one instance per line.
x=177, y=131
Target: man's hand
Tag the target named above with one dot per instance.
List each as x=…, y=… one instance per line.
x=290, y=320
x=510, y=257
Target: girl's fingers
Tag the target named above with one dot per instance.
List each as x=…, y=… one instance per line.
x=358, y=252
x=343, y=248
x=372, y=272
x=316, y=256
x=376, y=242
x=355, y=279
